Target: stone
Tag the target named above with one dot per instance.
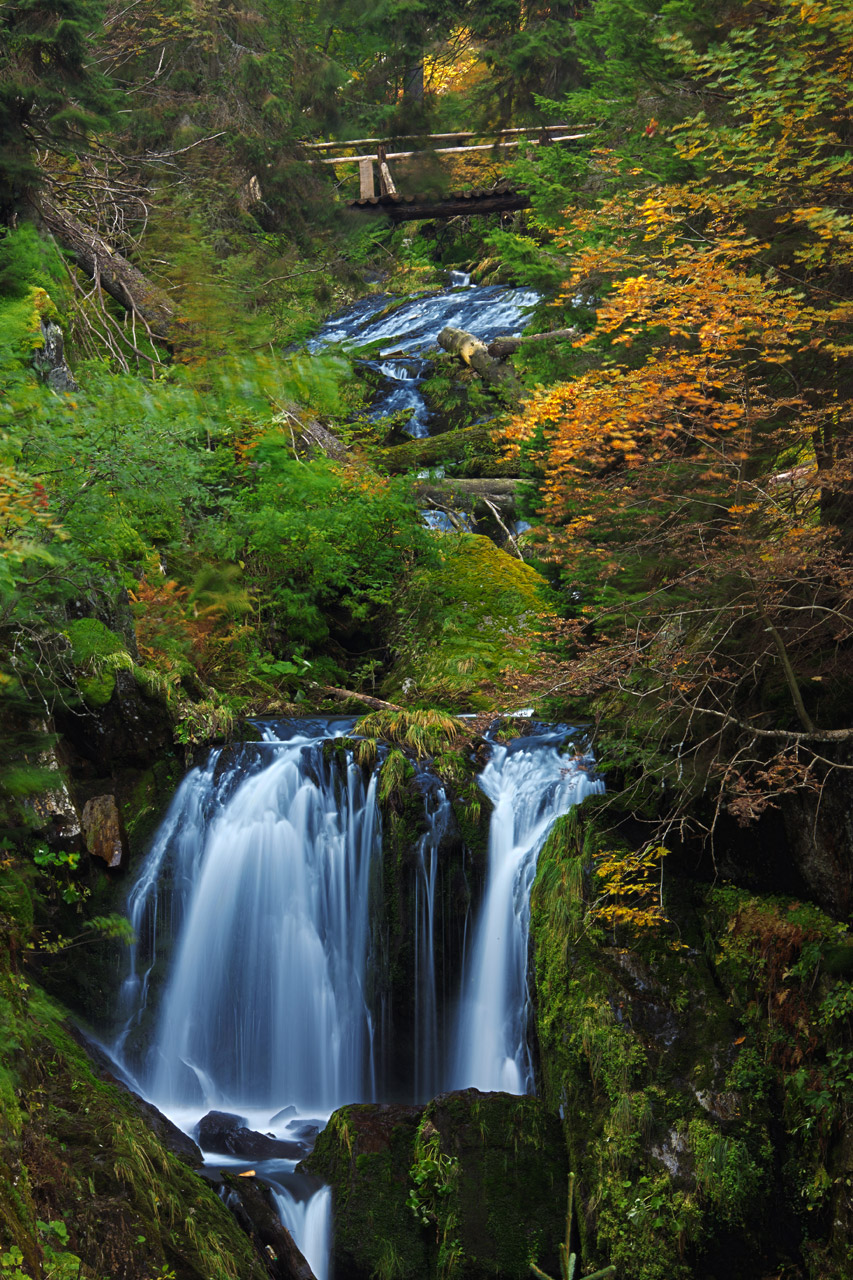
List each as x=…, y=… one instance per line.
x=487, y=1172
x=227, y=1134
x=103, y=830
x=282, y=1115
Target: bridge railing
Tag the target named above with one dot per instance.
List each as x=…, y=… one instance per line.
x=368, y=162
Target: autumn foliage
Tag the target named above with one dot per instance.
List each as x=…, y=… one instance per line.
x=696, y=475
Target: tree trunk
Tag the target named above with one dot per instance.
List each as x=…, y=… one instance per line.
x=503, y=347
x=112, y=272
x=475, y=354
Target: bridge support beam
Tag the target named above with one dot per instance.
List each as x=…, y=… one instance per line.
x=366, y=178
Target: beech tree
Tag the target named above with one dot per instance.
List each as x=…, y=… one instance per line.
x=696, y=477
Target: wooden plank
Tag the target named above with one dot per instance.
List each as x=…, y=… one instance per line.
x=422, y=207
x=367, y=186
x=444, y=151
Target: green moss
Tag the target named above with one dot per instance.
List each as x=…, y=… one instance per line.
x=638, y=1046
x=91, y=644
x=472, y=623
x=80, y=1154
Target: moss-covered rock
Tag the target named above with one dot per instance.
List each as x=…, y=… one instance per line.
x=471, y=1186
x=86, y=1189
x=91, y=645
x=473, y=626
x=495, y=1184
x=365, y=1154
x=669, y=1053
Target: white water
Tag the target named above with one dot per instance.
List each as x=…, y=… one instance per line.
x=265, y=1003
x=530, y=784
x=310, y=1223
x=408, y=330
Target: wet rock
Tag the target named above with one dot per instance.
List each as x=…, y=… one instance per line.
x=255, y=1213
x=103, y=830
x=305, y=1131
x=284, y=1114
x=167, y=1133
x=227, y=1134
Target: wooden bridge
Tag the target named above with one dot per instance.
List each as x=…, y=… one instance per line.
x=500, y=198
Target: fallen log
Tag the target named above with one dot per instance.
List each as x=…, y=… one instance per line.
x=471, y=447
x=345, y=695
x=475, y=354
x=109, y=269
x=503, y=347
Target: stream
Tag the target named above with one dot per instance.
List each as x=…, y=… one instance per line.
x=404, y=333
x=255, y=986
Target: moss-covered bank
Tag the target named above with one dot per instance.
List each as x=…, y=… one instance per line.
x=703, y=1071
x=86, y=1188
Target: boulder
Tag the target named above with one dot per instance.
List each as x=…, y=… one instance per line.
x=365, y=1154
x=475, y=1182
x=255, y=1213
x=103, y=830
x=226, y=1134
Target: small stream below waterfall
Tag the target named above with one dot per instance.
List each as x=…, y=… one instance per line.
x=403, y=334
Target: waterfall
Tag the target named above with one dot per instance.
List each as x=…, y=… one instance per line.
x=265, y=1004
x=530, y=783
x=265, y=876
x=309, y=1221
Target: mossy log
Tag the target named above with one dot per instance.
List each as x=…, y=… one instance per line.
x=471, y=447
x=475, y=354
x=507, y=346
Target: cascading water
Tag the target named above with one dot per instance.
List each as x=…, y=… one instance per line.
x=262, y=872
x=265, y=1002
x=405, y=332
x=530, y=783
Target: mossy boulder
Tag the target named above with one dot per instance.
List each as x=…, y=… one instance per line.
x=471, y=1186
x=498, y=1198
x=365, y=1154
x=474, y=622
x=92, y=644
x=86, y=1188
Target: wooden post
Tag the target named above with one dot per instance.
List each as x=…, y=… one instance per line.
x=365, y=175
x=386, y=182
